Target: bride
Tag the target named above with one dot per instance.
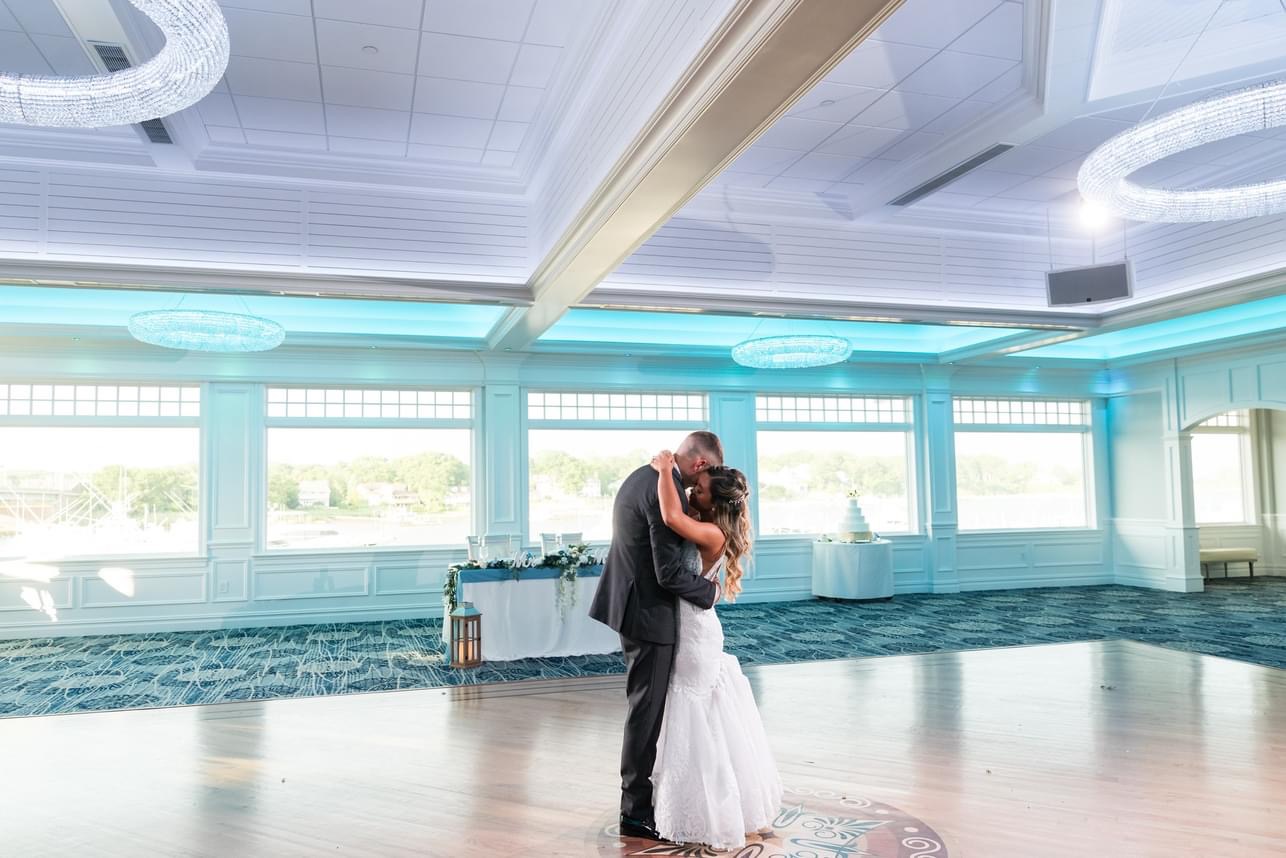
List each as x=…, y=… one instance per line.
x=714, y=778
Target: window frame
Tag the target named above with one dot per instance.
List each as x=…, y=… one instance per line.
x=915, y=515
x=471, y=423
x=200, y=551
x=1085, y=430
x=528, y=423
x=1249, y=492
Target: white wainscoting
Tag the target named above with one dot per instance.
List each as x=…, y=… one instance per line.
x=172, y=594
x=998, y=560
x=1151, y=553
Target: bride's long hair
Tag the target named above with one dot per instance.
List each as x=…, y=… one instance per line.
x=730, y=511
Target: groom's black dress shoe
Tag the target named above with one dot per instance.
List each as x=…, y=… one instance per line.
x=631, y=827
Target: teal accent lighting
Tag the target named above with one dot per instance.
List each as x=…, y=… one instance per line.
x=792, y=352
x=713, y=334
x=1239, y=320
x=206, y=330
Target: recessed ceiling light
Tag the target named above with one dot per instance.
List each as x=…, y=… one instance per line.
x=370, y=49
x=827, y=102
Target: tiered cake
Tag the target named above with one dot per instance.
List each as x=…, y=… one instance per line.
x=853, y=526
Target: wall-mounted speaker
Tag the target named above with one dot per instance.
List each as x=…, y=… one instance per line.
x=1109, y=282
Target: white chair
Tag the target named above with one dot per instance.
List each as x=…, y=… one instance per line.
x=499, y=546
x=566, y=539
x=548, y=544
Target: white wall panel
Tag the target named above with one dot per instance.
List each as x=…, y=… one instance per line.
x=268, y=225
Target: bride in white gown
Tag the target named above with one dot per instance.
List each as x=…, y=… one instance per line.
x=714, y=779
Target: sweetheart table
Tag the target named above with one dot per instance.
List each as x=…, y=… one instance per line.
x=522, y=618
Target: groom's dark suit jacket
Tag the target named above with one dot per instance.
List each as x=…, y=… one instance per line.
x=644, y=572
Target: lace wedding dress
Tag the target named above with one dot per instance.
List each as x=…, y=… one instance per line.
x=714, y=779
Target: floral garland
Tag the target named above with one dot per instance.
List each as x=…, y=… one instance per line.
x=569, y=561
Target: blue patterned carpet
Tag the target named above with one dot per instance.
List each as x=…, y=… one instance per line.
x=1239, y=619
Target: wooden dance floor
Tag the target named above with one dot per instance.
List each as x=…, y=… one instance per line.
x=1095, y=749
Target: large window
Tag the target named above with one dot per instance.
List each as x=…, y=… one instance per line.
x=1022, y=463
x=1221, y=480
x=92, y=470
x=372, y=468
x=814, y=450
x=582, y=445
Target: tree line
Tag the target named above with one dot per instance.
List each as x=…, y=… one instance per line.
x=432, y=477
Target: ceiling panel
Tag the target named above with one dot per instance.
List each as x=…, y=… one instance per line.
x=366, y=122
x=933, y=24
x=929, y=70
x=366, y=46
x=273, y=79
x=955, y=75
x=38, y=17
x=404, y=14
x=505, y=20
x=466, y=58
x=999, y=35
x=366, y=88
x=271, y=35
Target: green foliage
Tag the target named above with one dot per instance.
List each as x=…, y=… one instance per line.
x=431, y=476
x=158, y=493
x=573, y=475
x=828, y=472
x=989, y=474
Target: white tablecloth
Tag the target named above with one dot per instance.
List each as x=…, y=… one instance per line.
x=521, y=619
x=853, y=570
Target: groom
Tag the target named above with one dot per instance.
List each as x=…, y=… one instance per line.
x=637, y=596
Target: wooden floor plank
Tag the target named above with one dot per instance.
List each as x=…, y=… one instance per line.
x=1094, y=749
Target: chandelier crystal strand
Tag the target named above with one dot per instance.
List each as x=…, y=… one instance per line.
x=1103, y=178
x=189, y=65
x=206, y=330
x=792, y=352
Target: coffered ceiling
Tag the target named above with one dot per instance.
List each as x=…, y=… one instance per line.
x=684, y=154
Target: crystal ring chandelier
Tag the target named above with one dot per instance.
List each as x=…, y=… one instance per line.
x=792, y=352
x=186, y=68
x=206, y=330
x=1104, y=177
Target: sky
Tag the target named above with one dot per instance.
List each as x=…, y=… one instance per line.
x=79, y=448
x=316, y=446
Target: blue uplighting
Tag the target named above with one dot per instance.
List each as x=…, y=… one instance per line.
x=301, y=316
x=206, y=331
x=795, y=352
x=712, y=333
x=1240, y=320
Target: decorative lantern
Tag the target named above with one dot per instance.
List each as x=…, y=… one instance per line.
x=466, y=636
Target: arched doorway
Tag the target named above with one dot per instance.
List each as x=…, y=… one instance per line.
x=1236, y=489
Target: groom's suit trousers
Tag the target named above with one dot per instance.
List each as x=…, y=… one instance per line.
x=647, y=677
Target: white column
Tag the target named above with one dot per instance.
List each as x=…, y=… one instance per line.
x=232, y=418
x=502, y=446
x=1183, y=567
x=939, y=451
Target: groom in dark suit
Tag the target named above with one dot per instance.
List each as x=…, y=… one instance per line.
x=637, y=596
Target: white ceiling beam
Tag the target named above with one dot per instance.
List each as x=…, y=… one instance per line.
x=765, y=56
x=170, y=278
x=834, y=307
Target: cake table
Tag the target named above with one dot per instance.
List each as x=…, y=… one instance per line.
x=853, y=570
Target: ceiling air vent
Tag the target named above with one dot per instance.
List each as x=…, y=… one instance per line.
x=114, y=60
x=940, y=181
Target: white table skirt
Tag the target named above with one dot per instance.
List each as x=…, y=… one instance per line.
x=521, y=619
x=853, y=570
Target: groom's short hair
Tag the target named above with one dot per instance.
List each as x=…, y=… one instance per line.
x=707, y=445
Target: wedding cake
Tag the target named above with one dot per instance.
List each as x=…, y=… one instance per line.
x=853, y=526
